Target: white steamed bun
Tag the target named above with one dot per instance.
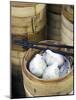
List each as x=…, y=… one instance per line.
x=51, y=57
x=51, y=72
x=37, y=65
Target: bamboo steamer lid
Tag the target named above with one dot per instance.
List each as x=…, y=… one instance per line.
x=68, y=12
x=37, y=87
x=55, y=8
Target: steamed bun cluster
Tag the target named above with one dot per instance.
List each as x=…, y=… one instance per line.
x=47, y=65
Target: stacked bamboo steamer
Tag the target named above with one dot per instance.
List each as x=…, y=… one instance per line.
x=28, y=21
x=67, y=25
x=35, y=86
x=54, y=21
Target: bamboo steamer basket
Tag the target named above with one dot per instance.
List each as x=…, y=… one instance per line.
x=28, y=18
x=38, y=87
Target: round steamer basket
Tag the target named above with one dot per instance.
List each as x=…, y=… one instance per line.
x=28, y=18
x=38, y=87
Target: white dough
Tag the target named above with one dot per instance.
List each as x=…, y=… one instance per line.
x=51, y=72
x=51, y=57
x=37, y=65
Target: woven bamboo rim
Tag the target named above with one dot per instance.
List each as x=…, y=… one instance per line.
x=32, y=77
